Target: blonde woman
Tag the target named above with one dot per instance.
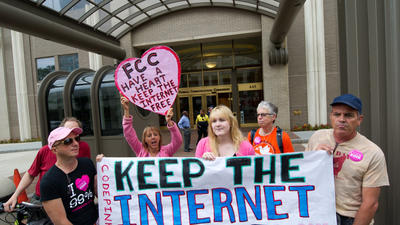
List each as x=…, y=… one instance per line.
x=224, y=137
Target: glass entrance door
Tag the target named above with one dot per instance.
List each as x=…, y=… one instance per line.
x=194, y=103
x=183, y=106
x=196, y=106
x=225, y=99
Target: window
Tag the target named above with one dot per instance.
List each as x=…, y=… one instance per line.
x=109, y=107
x=55, y=103
x=210, y=78
x=249, y=75
x=247, y=51
x=68, y=62
x=56, y=5
x=211, y=63
x=81, y=104
x=217, y=55
x=184, y=80
x=225, y=76
x=248, y=105
x=190, y=57
x=44, y=66
x=195, y=80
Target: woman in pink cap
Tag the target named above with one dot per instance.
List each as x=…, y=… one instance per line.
x=68, y=189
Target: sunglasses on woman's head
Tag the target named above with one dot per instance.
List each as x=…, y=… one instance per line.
x=69, y=141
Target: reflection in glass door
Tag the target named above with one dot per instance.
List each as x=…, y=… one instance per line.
x=193, y=104
x=183, y=105
x=196, y=106
x=225, y=99
x=211, y=101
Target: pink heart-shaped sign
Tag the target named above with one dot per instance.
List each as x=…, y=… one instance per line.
x=151, y=82
x=82, y=183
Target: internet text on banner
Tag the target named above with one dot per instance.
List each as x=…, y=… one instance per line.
x=294, y=188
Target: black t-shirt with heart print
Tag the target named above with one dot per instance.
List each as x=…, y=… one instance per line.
x=75, y=189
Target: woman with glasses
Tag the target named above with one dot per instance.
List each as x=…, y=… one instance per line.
x=269, y=139
x=68, y=189
x=225, y=138
x=151, y=138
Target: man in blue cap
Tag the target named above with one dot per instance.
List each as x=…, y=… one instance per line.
x=359, y=164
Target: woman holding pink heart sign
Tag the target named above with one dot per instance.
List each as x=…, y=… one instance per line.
x=151, y=138
x=225, y=138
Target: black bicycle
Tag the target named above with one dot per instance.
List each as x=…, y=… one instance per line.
x=25, y=213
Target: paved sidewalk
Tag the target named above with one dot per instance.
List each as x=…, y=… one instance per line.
x=16, y=147
x=298, y=138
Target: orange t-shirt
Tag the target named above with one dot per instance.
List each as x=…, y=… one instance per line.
x=268, y=144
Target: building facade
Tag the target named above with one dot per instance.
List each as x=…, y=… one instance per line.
x=333, y=47
x=225, y=60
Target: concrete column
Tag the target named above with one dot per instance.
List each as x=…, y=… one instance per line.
x=95, y=61
x=315, y=62
x=275, y=78
x=5, y=133
x=21, y=85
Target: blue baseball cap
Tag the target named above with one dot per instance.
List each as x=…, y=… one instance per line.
x=349, y=100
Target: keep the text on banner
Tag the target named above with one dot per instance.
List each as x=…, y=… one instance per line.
x=294, y=188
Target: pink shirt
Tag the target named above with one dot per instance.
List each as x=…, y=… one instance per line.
x=137, y=147
x=45, y=159
x=245, y=148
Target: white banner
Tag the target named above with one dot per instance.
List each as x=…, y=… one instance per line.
x=294, y=188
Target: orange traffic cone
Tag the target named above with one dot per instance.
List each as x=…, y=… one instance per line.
x=17, y=178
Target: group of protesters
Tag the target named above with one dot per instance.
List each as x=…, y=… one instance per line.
x=67, y=181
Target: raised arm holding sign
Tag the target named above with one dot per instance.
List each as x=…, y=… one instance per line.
x=151, y=138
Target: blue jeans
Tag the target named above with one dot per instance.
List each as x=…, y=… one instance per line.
x=344, y=220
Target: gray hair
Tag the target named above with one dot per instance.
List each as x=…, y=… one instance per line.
x=268, y=106
x=71, y=118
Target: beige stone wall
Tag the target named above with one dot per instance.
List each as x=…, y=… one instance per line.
x=297, y=63
x=331, y=51
x=275, y=78
x=193, y=25
x=10, y=85
x=297, y=72
x=31, y=89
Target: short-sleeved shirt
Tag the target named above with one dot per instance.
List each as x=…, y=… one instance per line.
x=268, y=144
x=202, y=122
x=45, y=159
x=76, y=190
x=357, y=163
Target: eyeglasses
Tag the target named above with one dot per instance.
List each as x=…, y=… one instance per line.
x=265, y=114
x=69, y=141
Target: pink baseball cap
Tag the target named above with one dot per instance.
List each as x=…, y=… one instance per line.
x=60, y=133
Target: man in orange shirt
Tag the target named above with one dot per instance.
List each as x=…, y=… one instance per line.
x=269, y=139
